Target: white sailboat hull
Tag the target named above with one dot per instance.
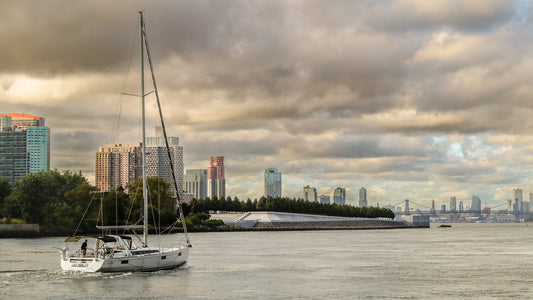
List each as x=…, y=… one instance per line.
x=159, y=259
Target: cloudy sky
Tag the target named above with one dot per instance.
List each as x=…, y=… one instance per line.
x=411, y=99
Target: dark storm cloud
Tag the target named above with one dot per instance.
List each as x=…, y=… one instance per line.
x=381, y=91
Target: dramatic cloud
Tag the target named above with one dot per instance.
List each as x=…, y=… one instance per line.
x=412, y=99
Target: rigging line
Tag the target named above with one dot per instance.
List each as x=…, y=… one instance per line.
x=152, y=206
x=116, y=211
x=83, y=217
x=159, y=203
x=116, y=126
x=182, y=217
x=170, y=227
x=132, y=203
x=102, y=210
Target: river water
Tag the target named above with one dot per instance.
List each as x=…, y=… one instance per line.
x=479, y=261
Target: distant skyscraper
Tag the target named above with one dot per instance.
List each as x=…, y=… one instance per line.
x=525, y=207
x=117, y=164
x=517, y=194
x=310, y=194
x=518, y=199
x=461, y=207
x=196, y=182
x=324, y=199
x=363, y=202
x=272, y=183
x=24, y=146
x=339, y=196
x=476, y=204
x=453, y=201
x=216, y=182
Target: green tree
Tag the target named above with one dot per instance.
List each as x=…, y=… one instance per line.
x=41, y=197
x=159, y=194
x=32, y=194
x=5, y=191
x=11, y=208
x=115, y=207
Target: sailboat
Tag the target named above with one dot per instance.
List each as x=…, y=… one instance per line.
x=119, y=253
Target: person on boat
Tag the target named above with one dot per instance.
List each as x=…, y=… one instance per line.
x=84, y=248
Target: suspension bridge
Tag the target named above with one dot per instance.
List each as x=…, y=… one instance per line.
x=409, y=207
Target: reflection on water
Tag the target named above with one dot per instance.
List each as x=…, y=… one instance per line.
x=467, y=260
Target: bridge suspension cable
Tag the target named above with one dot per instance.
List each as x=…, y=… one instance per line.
x=500, y=205
x=418, y=204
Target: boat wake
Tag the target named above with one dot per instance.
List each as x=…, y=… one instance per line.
x=17, y=277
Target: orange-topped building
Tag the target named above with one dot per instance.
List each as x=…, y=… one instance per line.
x=216, y=182
x=24, y=121
x=24, y=145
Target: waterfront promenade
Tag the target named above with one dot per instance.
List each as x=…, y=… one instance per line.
x=268, y=220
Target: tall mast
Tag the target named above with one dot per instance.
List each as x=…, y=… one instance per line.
x=143, y=147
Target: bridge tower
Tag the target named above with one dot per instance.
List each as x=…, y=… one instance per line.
x=407, y=210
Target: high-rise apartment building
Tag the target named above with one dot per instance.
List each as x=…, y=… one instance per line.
x=117, y=164
x=216, y=182
x=310, y=194
x=24, y=146
x=363, y=202
x=195, y=181
x=157, y=160
x=38, y=147
x=272, y=183
x=339, y=196
x=14, y=162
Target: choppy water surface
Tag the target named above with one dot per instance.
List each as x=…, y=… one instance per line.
x=466, y=261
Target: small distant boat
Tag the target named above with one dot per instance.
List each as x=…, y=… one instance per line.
x=445, y=225
x=118, y=253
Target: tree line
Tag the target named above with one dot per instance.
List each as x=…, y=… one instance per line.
x=288, y=205
x=62, y=201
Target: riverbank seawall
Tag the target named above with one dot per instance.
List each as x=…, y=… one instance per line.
x=332, y=225
x=270, y=221
x=251, y=221
x=19, y=230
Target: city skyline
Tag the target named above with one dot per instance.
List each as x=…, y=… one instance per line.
x=412, y=99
